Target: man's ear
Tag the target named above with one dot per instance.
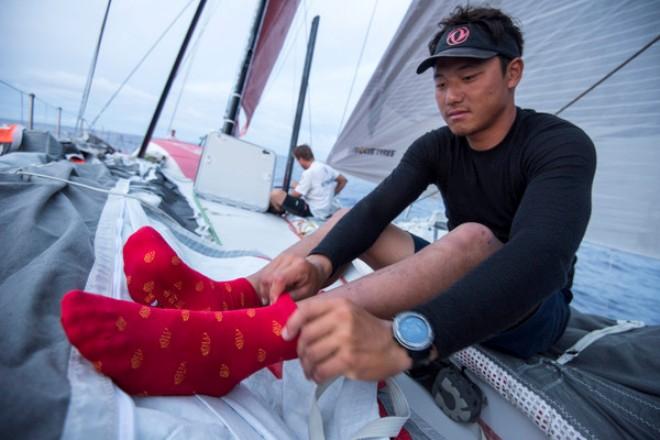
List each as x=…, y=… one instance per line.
x=514, y=72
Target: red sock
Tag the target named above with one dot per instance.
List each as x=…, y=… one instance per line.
x=155, y=272
x=155, y=351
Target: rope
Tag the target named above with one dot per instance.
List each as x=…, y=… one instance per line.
x=114, y=95
x=97, y=189
x=81, y=185
x=92, y=69
x=357, y=67
x=612, y=72
x=202, y=211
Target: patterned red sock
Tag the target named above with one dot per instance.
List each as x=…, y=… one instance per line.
x=155, y=272
x=155, y=351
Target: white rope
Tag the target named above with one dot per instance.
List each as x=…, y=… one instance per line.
x=591, y=337
x=82, y=185
x=99, y=189
x=389, y=426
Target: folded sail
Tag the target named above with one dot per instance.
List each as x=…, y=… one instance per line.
x=569, y=46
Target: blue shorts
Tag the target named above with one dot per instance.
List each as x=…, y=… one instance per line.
x=538, y=332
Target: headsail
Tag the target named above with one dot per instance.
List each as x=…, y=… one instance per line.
x=569, y=46
x=277, y=20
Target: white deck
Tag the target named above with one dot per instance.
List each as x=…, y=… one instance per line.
x=268, y=234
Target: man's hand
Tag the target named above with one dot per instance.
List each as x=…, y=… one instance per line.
x=339, y=338
x=341, y=183
x=301, y=277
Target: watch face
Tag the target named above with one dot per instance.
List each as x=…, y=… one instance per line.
x=415, y=331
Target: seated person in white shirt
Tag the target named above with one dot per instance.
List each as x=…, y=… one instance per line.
x=314, y=195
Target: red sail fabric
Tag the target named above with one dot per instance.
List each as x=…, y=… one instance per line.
x=277, y=20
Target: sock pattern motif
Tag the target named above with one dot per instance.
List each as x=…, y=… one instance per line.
x=154, y=272
x=157, y=351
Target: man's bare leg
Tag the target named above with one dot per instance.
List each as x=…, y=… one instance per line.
x=391, y=246
x=305, y=245
x=392, y=256
x=276, y=201
x=416, y=278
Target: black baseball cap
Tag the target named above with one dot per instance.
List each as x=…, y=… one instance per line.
x=470, y=41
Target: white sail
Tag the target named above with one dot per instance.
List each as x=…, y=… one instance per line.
x=569, y=46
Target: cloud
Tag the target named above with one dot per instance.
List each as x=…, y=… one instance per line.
x=58, y=76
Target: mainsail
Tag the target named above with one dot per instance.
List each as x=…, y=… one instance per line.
x=569, y=47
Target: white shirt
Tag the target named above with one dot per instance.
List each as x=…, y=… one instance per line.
x=317, y=186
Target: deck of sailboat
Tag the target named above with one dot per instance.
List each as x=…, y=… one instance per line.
x=594, y=410
x=268, y=234
x=520, y=403
x=236, y=228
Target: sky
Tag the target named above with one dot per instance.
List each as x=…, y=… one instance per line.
x=53, y=43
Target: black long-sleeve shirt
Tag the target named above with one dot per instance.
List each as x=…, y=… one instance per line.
x=533, y=190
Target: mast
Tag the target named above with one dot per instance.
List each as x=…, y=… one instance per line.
x=92, y=69
x=170, y=79
x=301, y=103
x=233, y=105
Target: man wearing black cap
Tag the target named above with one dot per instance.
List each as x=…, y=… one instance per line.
x=517, y=190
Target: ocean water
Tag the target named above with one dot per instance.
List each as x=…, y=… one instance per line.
x=607, y=282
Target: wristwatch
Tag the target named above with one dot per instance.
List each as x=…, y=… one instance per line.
x=413, y=332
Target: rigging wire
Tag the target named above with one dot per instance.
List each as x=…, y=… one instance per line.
x=11, y=86
x=92, y=69
x=190, y=58
x=609, y=74
x=357, y=67
x=130, y=75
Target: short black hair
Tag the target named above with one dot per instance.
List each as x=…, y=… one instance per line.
x=495, y=22
x=303, y=152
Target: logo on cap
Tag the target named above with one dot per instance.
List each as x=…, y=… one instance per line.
x=458, y=36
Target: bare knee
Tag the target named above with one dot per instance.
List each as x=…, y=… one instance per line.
x=338, y=215
x=277, y=193
x=331, y=222
x=277, y=197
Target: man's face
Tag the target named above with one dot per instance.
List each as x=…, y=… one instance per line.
x=304, y=163
x=471, y=93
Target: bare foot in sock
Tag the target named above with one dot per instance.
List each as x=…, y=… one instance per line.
x=156, y=351
x=155, y=272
